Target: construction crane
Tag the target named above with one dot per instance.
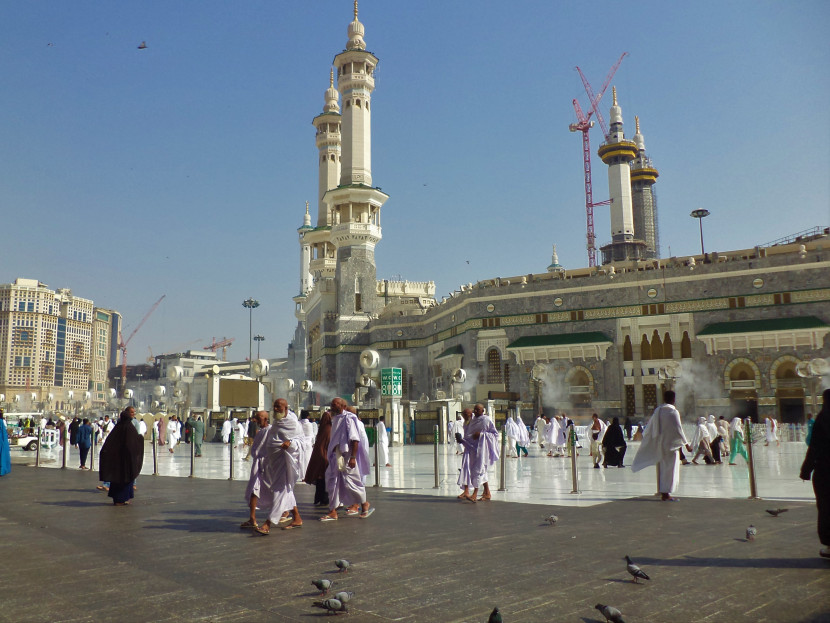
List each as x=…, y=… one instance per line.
x=122, y=344
x=223, y=344
x=584, y=124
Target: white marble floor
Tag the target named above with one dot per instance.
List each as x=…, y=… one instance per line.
x=536, y=479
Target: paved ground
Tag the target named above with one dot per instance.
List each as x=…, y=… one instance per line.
x=177, y=554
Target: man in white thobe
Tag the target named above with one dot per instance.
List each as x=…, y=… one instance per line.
x=348, y=456
x=511, y=432
x=227, y=427
x=539, y=427
x=597, y=432
x=701, y=442
x=382, y=439
x=522, y=435
x=552, y=435
x=771, y=427
x=459, y=428
x=662, y=438
x=255, y=492
x=481, y=450
x=284, y=456
x=308, y=438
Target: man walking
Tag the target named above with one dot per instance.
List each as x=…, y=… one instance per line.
x=382, y=439
x=662, y=438
x=481, y=450
x=255, y=491
x=348, y=463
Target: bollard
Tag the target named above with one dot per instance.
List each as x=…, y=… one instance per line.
x=155, y=453
x=435, y=454
x=501, y=458
x=64, y=440
x=37, y=447
x=231, y=449
x=753, y=489
x=377, y=460
x=574, y=474
x=192, y=452
x=92, y=450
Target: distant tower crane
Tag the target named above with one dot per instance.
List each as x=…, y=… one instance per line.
x=223, y=344
x=122, y=344
x=584, y=124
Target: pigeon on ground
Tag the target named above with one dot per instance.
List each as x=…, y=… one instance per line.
x=331, y=605
x=610, y=613
x=342, y=564
x=750, y=533
x=324, y=585
x=344, y=596
x=552, y=519
x=495, y=616
x=777, y=511
x=635, y=571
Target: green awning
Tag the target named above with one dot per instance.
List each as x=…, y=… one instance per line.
x=452, y=350
x=563, y=339
x=770, y=324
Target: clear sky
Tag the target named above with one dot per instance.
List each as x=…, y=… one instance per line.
x=183, y=168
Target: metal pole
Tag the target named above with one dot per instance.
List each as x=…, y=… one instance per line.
x=231, y=449
x=574, y=474
x=37, y=447
x=377, y=461
x=192, y=451
x=63, y=440
x=700, y=221
x=502, y=461
x=155, y=452
x=753, y=489
x=435, y=454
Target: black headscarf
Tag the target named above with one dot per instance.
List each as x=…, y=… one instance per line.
x=614, y=435
x=123, y=452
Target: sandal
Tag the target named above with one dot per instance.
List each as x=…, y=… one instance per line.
x=367, y=512
x=328, y=518
x=352, y=513
x=262, y=530
x=483, y=498
x=291, y=526
x=249, y=524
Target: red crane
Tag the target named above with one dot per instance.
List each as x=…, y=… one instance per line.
x=584, y=124
x=223, y=344
x=122, y=344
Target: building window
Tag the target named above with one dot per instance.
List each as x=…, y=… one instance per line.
x=737, y=301
x=398, y=343
x=781, y=298
x=668, y=351
x=686, y=346
x=628, y=351
x=654, y=309
x=578, y=315
x=493, y=366
x=645, y=349
x=488, y=323
x=541, y=318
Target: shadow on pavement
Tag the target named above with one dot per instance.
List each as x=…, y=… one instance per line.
x=752, y=563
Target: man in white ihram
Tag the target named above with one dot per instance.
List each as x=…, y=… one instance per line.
x=662, y=438
x=348, y=456
x=282, y=466
x=480, y=452
x=382, y=439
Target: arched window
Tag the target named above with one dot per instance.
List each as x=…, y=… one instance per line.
x=656, y=346
x=667, y=347
x=645, y=348
x=628, y=351
x=686, y=346
x=494, y=366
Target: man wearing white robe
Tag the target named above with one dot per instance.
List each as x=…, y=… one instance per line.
x=522, y=435
x=701, y=442
x=282, y=466
x=227, y=427
x=771, y=431
x=562, y=446
x=255, y=492
x=382, y=439
x=539, y=426
x=172, y=434
x=662, y=438
x=240, y=432
x=510, y=432
x=597, y=432
x=459, y=428
x=552, y=435
x=481, y=450
x=349, y=464
x=308, y=438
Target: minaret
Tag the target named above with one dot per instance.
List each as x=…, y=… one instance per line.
x=617, y=152
x=644, y=201
x=305, y=259
x=355, y=204
x=555, y=266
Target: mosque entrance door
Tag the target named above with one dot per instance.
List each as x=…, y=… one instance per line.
x=791, y=410
x=649, y=399
x=425, y=423
x=745, y=405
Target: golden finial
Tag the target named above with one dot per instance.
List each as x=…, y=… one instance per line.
x=614, y=91
x=355, y=10
x=306, y=207
x=637, y=124
x=331, y=77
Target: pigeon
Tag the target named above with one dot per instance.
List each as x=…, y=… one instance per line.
x=635, y=571
x=777, y=511
x=552, y=519
x=342, y=564
x=610, y=613
x=323, y=585
x=331, y=605
x=495, y=616
x=751, y=532
x=344, y=596
x=143, y=45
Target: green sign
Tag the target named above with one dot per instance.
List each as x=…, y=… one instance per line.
x=391, y=382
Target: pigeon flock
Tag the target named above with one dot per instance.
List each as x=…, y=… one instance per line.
x=336, y=604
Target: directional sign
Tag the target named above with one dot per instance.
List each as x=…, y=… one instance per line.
x=391, y=382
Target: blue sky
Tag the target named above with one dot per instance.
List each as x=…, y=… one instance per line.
x=183, y=169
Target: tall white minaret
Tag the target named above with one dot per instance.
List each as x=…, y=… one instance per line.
x=305, y=253
x=328, y=146
x=644, y=200
x=617, y=152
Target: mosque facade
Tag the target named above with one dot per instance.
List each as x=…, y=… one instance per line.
x=741, y=332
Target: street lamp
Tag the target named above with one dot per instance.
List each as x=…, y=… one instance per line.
x=700, y=215
x=258, y=339
x=250, y=303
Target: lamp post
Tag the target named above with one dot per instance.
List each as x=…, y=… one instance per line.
x=700, y=215
x=250, y=303
x=258, y=339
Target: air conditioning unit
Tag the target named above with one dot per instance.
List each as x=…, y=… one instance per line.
x=306, y=386
x=369, y=359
